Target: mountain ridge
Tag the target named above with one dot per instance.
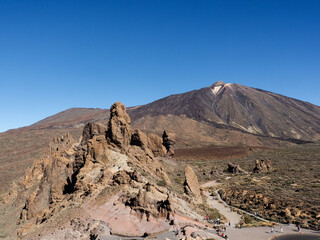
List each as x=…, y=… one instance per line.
x=222, y=105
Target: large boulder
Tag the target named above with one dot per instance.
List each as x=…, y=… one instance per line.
x=262, y=166
x=191, y=185
x=235, y=168
x=152, y=201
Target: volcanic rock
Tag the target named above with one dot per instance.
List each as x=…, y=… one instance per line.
x=152, y=201
x=72, y=171
x=92, y=129
x=234, y=168
x=262, y=166
x=191, y=185
x=56, y=174
x=119, y=131
x=169, y=144
x=151, y=144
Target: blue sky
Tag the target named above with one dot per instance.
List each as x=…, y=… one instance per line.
x=55, y=55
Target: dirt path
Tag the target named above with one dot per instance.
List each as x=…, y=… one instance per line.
x=232, y=217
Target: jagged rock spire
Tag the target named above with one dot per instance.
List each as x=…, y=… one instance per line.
x=119, y=131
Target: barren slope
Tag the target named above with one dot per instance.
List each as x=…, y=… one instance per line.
x=233, y=106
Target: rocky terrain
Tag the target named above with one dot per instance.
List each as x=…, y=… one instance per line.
x=108, y=183
x=280, y=184
x=221, y=114
x=263, y=147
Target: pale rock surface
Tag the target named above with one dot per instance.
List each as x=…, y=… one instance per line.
x=191, y=185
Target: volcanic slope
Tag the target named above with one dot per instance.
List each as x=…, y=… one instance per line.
x=237, y=107
x=227, y=106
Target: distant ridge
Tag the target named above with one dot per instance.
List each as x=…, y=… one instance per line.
x=221, y=105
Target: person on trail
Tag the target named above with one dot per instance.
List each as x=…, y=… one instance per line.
x=229, y=224
x=281, y=229
x=271, y=229
x=226, y=237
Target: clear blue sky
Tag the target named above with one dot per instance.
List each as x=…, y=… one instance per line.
x=55, y=55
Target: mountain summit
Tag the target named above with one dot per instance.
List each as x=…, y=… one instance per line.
x=234, y=106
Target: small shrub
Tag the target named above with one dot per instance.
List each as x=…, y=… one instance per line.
x=162, y=183
x=247, y=219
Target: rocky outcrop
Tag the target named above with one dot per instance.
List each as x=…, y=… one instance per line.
x=234, y=168
x=168, y=143
x=151, y=144
x=55, y=174
x=191, y=185
x=119, y=131
x=262, y=166
x=92, y=129
x=152, y=201
x=105, y=156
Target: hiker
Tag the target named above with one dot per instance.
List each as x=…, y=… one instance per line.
x=226, y=237
x=281, y=229
x=271, y=229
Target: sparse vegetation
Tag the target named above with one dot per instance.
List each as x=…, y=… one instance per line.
x=293, y=180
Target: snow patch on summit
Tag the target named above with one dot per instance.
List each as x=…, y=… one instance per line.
x=216, y=89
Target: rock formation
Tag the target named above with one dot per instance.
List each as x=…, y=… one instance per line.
x=106, y=157
x=119, y=131
x=54, y=173
x=234, y=168
x=262, y=166
x=191, y=185
x=168, y=143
